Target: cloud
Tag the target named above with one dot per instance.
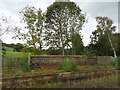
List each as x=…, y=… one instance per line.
x=87, y=30
x=109, y=9
x=95, y=0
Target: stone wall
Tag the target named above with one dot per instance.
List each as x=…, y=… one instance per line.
x=105, y=60
x=80, y=60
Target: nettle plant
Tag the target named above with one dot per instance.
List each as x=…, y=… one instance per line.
x=24, y=65
x=117, y=62
x=68, y=65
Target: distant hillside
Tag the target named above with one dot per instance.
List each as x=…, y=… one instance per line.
x=8, y=48
x=8, y=45
x=11, y=53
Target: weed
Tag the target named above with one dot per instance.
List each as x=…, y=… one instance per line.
x=68, y=65
x=9, y=65
x=116, y=62
x=24, y=65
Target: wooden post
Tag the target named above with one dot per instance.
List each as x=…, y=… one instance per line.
x=29, y=58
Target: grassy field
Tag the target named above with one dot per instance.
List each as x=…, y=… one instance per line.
x=8, y=49
x=11, y=53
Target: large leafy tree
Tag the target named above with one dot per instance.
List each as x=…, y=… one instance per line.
x=116, y=42
x=101, y=38
x=63, y=21
x=77, y=44
x=33, y=18
x=18, y=47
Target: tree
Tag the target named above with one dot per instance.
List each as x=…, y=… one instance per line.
x=77, y=44
x=63, y=19
x=88, y=51
x=6, y=25
x=102, y=36
x=33, y=19
x=3, y=52
x=116, y=43
x=18, y=47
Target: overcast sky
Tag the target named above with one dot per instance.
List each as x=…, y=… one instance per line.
x=92, y=8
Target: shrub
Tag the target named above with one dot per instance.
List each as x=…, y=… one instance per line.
x=9, y=64
x=68, y=65
x=3, y=52
x=24, y=65
x=116, y=62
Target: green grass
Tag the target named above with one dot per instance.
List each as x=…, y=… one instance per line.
x=10, y=54
x=8, y=48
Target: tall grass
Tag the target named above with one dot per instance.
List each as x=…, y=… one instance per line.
x=68, y=65
x=116, y=62
x=9, y=64
x=24, y=65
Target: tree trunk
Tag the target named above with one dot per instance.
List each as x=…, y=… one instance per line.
x=112, y=46
x=61, y=37
x=63, y=51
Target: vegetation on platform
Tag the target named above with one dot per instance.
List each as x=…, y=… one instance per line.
x=102, y=82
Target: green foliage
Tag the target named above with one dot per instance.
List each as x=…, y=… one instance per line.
x=116, y=62
x=60, y=16
x=68, y=65
x=9, y=65
x=14, y=54
x=77, y=44
x=101, y=39
x=8, y=48
x=34, y=20
x=18, y=47
x=51, y=51
x=3, y=52
x=88, y=51
x=9, y=53
x=29, y=50
x=116, y=42
x=24, y=65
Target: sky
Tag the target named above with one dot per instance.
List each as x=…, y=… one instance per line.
x=92, y=8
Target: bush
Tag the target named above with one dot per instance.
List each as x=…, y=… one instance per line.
x=9, y=64
x=24, y=65
x=116, y=62
x=3, y=52
x=68, y=65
